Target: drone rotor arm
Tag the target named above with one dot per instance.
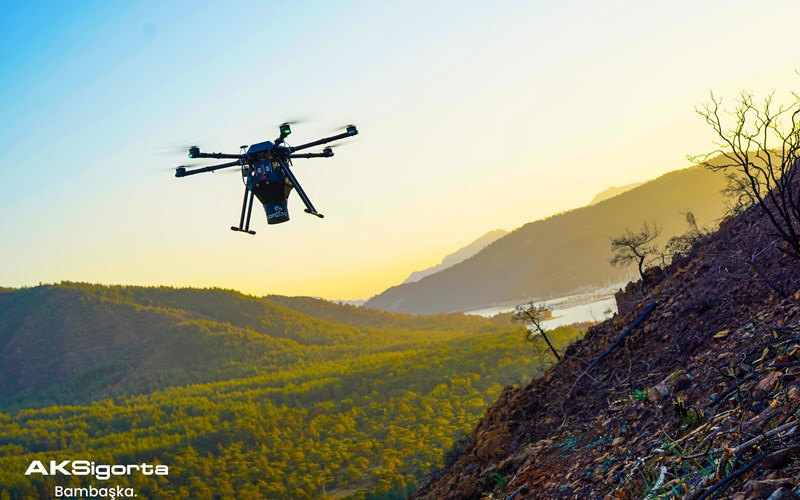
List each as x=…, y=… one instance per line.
x=216, y=155
x=327, y=153
x=351, y=131
x=182, y=172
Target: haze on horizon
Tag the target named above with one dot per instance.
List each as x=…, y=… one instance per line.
x=472, y=118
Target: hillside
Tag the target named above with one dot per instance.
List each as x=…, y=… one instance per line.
x=699, y=399
x=74, y=342
x=459, y=255
x=566, y=253
x=242, y=396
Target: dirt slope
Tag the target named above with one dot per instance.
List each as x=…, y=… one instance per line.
x=700, y=399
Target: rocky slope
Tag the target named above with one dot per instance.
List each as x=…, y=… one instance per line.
x=700, y=398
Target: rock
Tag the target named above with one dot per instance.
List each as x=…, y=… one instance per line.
x=681, y=383
x=617, y=441
x=784, y=493
x=769, y=380
x=781, y=458
x=793, y=392
x=763, y=489
x=663, y=388
x=653, y=276
x=492, y=444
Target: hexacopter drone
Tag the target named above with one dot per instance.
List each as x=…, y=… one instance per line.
x=267, y=174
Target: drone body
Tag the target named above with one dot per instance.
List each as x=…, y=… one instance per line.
x=269, y=184
x=267, y=174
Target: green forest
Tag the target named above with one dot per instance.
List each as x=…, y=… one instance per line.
x=242, y=397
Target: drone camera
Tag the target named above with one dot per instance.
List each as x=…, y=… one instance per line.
x=194, y=152
x=286, y=129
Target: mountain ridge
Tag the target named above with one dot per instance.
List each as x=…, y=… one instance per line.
x=613, y=191
x=459, y=255
x=579, y=237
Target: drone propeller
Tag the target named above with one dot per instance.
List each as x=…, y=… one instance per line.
x=172, y=169
x=289, y=123
x=173, y=150
x=296, y=121
x=333, y=146
x=343, y=127
x=191, y=164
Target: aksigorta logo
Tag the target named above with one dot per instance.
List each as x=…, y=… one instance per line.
x=98, y=471
x=277, y=212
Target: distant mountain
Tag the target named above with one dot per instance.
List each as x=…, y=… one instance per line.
x=613, y=191
x=459, y=255
x=563, y=254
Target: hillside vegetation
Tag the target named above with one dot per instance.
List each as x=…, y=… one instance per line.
x=241, y=396
x=562, y=254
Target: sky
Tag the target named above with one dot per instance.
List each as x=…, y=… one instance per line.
x=473, y=116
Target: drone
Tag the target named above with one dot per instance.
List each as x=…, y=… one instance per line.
x=267, y=174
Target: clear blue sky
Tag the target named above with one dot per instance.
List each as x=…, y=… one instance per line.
x=466, y=110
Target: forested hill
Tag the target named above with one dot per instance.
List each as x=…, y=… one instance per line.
x=564, y=253
x=241, y=396
x=77, y=342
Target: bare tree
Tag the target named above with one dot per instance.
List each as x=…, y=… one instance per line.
x=680, y=245
x=532, y=316
x=736, y=197
x=760, y=153
x=635, y=247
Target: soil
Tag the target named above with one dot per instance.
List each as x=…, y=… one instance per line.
x=697, y=401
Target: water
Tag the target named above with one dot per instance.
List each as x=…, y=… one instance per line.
x=595, y=310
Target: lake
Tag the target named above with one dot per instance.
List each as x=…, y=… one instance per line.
x=594, y=310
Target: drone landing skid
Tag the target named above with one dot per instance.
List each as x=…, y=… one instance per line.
x=314, y=213
x=247, y=209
